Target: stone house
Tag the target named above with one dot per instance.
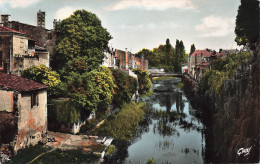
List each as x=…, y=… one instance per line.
x=18, y=52
x=23, y=113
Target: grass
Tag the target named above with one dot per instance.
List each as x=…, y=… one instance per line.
x=124, y=124
x=28, y=154
x=97, y=148
x=69, y=156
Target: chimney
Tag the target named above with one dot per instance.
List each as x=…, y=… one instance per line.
x=5, y=19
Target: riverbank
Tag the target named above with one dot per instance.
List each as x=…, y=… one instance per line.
x=237, y=105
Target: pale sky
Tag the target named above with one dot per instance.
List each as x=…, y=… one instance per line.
x=137, y=24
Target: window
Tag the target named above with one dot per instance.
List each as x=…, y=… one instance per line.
x=34, y=99
x=1, y=59
x=1, y=41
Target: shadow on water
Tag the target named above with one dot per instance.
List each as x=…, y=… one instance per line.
x=171, y=132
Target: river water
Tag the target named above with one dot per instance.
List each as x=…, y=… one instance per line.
x=172, y=131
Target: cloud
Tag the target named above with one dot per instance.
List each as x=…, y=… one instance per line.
x=151, y=4
x=150, y=26
x=215, y=26
x=19, y=3
x=64, y=12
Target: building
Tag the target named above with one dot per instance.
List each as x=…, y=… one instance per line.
x=23, y=113
x=18, y=52
x=200, y=61
x=41, y=19
x=124, y=60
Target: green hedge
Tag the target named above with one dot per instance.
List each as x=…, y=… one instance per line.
x=63, y=111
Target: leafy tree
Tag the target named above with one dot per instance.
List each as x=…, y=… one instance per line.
x=168, y=51
x=180, y=56
x=145, y=83
x=192, y=49
x=125, y=87
x=44, y=75
x=81, y=36
x=247, y=22
x=91, y=90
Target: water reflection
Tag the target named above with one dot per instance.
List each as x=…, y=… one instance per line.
x=172, y=131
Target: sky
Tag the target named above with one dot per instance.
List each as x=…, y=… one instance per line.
x=138, y=24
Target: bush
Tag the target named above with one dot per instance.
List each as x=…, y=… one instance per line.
x=125, y=87
x=110, y=149
x=145, y=83
x=123, y=125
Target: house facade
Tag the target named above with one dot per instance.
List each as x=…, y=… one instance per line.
x=23, y=113
x=200, y=61
x=18, y=52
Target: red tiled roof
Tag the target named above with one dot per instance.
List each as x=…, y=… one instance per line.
x=19, y=83
x=220, y=54
x=204, y=53
x=6, y=29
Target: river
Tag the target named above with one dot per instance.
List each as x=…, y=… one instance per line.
x=172, y=131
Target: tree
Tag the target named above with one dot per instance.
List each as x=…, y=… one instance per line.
x=44, y=75
x=168, y=51
x=81, y=36
x=180, y=56
x=192, y=49
x=247, y=22
x=91, y=90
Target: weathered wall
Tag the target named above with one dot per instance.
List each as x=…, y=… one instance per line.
x=5, y=48
x=20, y=45
x=6, y=101
x=32, y=122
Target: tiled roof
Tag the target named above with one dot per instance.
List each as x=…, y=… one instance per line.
x=204, y=53
x=18, y=83
x=6, y=29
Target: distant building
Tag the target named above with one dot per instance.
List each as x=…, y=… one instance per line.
x=41, y=19
x=200, y=61
x=23, y=113
x=18, y=52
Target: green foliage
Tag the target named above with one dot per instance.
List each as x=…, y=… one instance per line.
x=192, y=49
x=81, y=36
x=180, y=56
x=150, y=161
x=222, y=70
x=68, y=156
x=144, y=81
x=110, y=149
x=44, y=75
x=180, y=85
x=124, y=124
x=63, y=111
x=162, y=78
x=125, y=87
x=91, y=89
x=247, y=22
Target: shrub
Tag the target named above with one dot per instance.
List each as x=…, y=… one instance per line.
x=123, y=125
x=125, y=87
x=150, y=161
x=145, y=83
x=110, y=150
